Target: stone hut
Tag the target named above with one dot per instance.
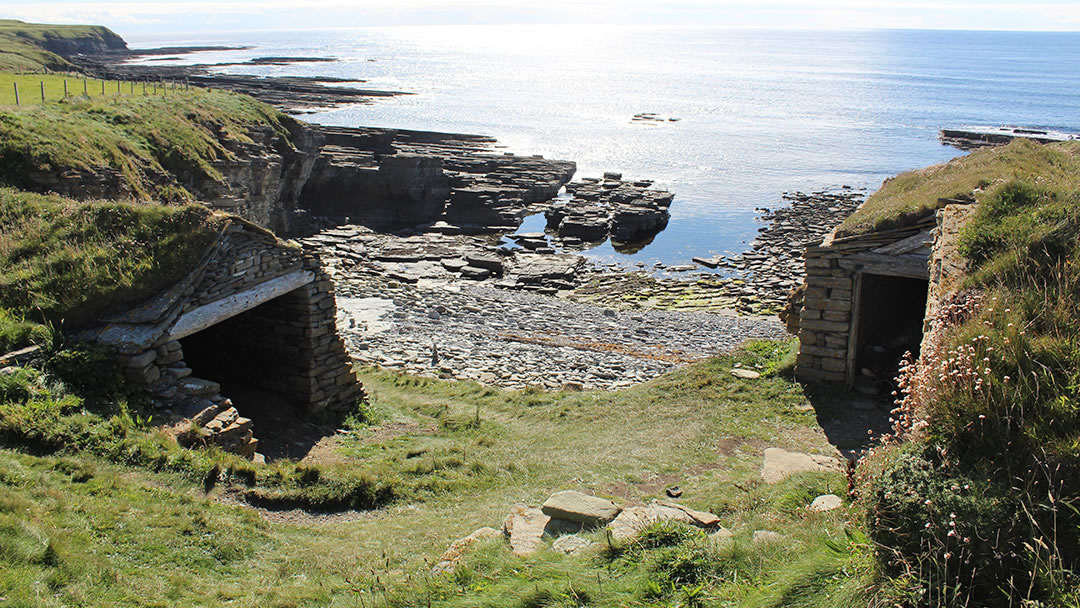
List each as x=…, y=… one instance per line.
x=254, y=312
x=867, y=297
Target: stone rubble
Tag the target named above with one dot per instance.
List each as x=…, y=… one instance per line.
x=422, y=319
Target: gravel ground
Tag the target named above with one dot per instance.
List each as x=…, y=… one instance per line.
x=464, y=330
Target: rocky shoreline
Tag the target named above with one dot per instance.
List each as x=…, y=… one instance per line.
x=431, y=278
x=291, y=94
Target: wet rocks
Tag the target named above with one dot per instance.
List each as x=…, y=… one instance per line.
x=627, y=211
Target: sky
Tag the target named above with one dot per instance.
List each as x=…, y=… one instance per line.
x=147, y=17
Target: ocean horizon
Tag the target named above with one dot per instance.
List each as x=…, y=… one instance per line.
x=739, y=117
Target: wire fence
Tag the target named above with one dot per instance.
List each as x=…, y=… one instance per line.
x=32, y=89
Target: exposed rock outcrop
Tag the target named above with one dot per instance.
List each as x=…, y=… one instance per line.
x=627, y=211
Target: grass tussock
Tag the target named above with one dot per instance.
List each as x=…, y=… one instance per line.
x=156, y=146
x=914, y=194
x=69, y=262
x=982, y=506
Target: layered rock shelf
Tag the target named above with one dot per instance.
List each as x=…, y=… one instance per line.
x=627, y=211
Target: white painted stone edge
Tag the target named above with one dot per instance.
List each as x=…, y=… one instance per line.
x=213, y=313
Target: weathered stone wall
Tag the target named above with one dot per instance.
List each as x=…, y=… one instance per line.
x=245, y=256
x=279, y=304
x=833, y=271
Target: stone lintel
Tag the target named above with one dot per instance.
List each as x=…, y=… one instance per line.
x=213, y=313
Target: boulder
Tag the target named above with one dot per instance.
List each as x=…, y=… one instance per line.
x=632, y=520
x=474, y=273
x=524, y=526
x=485, y=260
x=582, y=508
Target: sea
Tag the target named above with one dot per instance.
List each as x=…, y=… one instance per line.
x=739, y=116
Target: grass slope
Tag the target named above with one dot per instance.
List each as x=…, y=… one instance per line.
x=156, y=144
x=30, y=85
x=458, y=455
x=68, y=261
x=915, y=193
x=992, y=409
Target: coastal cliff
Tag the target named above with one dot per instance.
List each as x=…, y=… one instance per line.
x=244, y=157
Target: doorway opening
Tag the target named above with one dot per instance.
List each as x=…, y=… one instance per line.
x=888, y=324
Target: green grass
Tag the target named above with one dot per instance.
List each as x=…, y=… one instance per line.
x=30, y=92
x=156, y=145
x=69, y=262
x=913, y=194
x=24, y=46
x=457, y=455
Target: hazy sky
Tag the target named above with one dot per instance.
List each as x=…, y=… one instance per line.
x=129, y=17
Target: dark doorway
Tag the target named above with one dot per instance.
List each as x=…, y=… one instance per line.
x=889, y=323
x=250, y=356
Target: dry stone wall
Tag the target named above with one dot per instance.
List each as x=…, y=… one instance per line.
x=268, y=308
x=827, y=321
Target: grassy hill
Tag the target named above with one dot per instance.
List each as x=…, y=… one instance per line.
x=35, y=46
x=157, y=146
x=913, y=194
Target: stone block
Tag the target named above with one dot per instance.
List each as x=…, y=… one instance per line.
x=811, y=373
x=835, y=326
x=834, y=365
x=808, y=338
x=817, y=292
x=821, y=351
x=840, y=294
x=837, y=304
x=141, y=360
x=843, y=282
x=805, y=360
x=809, y=315
x=833, y=315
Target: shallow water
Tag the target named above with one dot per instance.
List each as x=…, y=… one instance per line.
x=759, y=112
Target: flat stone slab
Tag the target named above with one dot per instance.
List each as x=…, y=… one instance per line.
x=745, y=374
x=633, y=520
x=582, y=508
x=525, y=528
x=457, y=549
x=826, y=502
x=779, y=464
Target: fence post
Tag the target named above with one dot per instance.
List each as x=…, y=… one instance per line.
x=16, y=93
x=42, y=91
x=65, y=88
x=118, y=87
x=85, y=94
x=102, y=88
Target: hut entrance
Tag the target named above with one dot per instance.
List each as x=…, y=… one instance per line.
x=250, y=355
x=888, y=323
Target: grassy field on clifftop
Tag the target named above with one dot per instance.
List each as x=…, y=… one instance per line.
x=154, y=145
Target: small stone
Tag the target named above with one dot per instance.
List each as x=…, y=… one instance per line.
x=570, y=544
x=826, y=502
x=765, y=537
x=745, y=374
